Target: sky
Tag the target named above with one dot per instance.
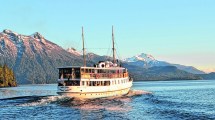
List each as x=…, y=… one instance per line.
x=177, y=31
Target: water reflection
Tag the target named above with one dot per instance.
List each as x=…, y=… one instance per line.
x=6, y=92
x=27, y=90
x=112, y=104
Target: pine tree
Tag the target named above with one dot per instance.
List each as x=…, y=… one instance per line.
x=7, y=77
x=1, y=76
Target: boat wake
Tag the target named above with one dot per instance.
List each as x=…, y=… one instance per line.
x=110, y=103
x=117, y=103
x=31, y=100
x=45, y=100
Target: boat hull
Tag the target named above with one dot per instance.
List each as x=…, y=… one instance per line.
x=95, y=91
x=91, y=95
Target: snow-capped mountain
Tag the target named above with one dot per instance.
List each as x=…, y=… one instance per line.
x=33, y=58
x=148, y=61
x=142, y=57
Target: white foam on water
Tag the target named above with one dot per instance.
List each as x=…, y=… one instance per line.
x=44, y=101
x=137, y=93
x=51, y=99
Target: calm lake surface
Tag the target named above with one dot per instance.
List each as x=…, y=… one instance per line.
x=168, y=100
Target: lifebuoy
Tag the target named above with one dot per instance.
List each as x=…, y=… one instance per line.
x=97, y=76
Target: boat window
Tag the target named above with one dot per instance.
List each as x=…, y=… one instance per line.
x=103, y=71
x=107, y=83
x=91, y=83
x=103, y=65
x=96, y=71
x=65, y=73
x=72, y=83
x=77, y=73
x=113, y=71
x=83, y=83
x=60, y=73
x=98, y=83
x=82, y=70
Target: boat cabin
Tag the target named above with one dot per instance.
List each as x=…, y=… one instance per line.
x=100, y=75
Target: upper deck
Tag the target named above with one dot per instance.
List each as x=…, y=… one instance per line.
x=77, y=72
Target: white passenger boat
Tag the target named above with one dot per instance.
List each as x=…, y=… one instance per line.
x=105, y=79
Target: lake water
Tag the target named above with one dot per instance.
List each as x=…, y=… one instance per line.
x=168, y=100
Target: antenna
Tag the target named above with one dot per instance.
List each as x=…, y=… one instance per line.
x=84, y=57
x=114, y=56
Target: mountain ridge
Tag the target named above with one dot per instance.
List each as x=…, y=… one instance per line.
x=34, y=59
x=147, y=61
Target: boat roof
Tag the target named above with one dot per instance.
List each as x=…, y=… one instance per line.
x=91, y=67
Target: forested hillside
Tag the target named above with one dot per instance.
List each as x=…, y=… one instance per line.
x=159, y=73
x=7, y=77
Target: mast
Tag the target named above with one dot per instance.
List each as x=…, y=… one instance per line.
x=84, y=57
x=114, y=55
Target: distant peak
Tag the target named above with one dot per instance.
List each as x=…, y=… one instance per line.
x=7, y=31
x=141, y=57
x=91, y=53
x=37, y=35
x=10, y=32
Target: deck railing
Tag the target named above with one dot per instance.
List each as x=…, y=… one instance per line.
x=103, y=75
x=96, y=76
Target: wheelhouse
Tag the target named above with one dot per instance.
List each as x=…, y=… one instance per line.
x=69, y=73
